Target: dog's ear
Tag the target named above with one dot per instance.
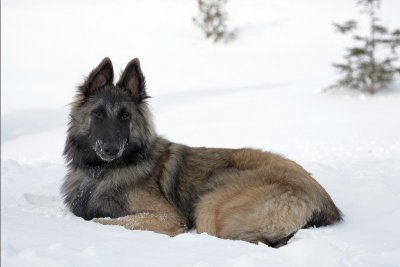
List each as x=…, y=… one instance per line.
x=132, y=80
x=102, y=75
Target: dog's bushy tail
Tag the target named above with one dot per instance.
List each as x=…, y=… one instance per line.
x=327, y=215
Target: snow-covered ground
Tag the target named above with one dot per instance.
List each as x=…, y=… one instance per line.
x=263, y=90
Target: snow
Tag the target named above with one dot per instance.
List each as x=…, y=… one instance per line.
x=263, y=90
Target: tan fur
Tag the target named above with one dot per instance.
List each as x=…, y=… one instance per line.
x=244, y=213
x=272, y=195
x=159, y=222
x=150, y=212
x=253, y=195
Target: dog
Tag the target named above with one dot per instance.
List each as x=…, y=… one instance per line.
x=120, y=172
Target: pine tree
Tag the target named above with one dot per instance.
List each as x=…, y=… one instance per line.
x=370, y=65
x=212, y=20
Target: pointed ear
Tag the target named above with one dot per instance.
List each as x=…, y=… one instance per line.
x=133, y=81
x=102, y=75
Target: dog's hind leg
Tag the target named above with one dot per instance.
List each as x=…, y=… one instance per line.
x=269, y=213
x=149, y=221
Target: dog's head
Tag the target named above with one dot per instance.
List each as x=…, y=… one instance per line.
x=110, y=122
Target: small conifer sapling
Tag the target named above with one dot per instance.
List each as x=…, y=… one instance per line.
x=369, y=65
x=212, y=20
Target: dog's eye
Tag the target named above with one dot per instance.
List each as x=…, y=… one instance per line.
x=125, y=116
x=98, y=114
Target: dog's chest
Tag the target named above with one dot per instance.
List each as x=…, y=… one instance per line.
x=99, y=198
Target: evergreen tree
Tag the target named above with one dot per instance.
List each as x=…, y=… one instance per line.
x=212, y=20
x=370, y=65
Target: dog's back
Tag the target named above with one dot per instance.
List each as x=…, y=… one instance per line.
x=247, y=194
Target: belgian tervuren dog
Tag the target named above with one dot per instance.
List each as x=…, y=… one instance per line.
x=121, y=172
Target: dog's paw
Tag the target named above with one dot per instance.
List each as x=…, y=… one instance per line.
x=107, y=220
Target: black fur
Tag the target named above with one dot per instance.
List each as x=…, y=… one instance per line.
x=324, y=217
x=95, y=117
x=172, y=189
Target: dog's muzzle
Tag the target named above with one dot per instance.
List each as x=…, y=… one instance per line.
x=109, y=151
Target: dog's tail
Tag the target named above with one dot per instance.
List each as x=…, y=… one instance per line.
x=328, y=214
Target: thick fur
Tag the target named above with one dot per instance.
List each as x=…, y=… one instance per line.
x=150, y=183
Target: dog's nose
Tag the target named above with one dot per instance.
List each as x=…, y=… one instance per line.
x=111, y=149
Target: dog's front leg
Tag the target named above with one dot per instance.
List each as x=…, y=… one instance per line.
x=149, y=221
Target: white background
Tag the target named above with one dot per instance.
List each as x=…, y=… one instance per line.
x=263, y=90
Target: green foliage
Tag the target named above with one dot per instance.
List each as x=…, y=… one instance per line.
x=212, y=20
x=346, y=26
x=370, y=65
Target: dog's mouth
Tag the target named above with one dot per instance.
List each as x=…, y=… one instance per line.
x=106, y=157
x=109, y=151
